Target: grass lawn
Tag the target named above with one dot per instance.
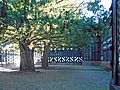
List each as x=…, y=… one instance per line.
x=57, y=77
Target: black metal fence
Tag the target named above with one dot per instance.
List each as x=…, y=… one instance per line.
x=69, y=55
x=8, y=57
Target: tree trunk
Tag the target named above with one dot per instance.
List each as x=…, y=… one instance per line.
x=26, y=57
x=45, y=56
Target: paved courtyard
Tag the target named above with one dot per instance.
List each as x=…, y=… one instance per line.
x=57, y=77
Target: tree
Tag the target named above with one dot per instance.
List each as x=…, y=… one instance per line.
x=100, y=17
x=21, y=28
x=29, y=22
x=99, y=24
x=55, y=22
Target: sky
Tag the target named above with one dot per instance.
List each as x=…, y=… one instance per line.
x=106, y=3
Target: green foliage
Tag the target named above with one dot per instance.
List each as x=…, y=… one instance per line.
x=101, y=17
x=56, y=22
x=32, y=21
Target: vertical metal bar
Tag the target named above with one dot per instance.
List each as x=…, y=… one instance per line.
x=117, y=41
x=114, y=42
x=113, y=37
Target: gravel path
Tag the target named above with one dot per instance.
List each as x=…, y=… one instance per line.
x=57, y=77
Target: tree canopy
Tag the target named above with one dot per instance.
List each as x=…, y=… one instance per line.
x=59, y=23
